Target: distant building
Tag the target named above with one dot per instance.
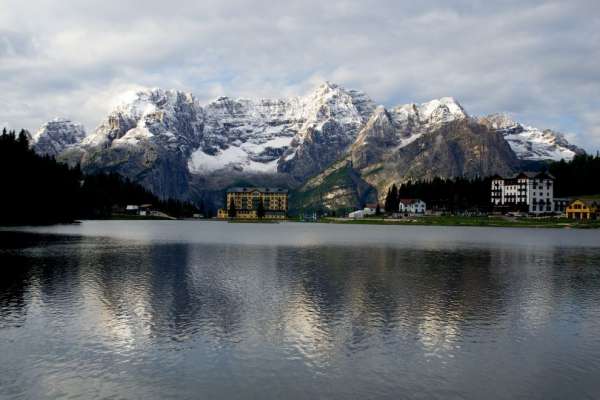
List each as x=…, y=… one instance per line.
x=141, y=210
x=561, y=204
x=247, y=200
x=368, y=210
x=412, y=206
x=145, y=210
x=132, y=209
x=583, y=209
x=530, y=192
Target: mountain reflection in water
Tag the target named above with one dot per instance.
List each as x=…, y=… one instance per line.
x=99, y=316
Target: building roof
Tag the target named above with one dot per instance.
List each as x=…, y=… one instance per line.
x=532, y=175
x=256, y=189
x=408, y=202
x=588, y=202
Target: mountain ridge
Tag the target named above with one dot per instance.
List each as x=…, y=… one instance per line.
x=176, y=147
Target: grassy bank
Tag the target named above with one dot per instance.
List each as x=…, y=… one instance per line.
x=492, y=221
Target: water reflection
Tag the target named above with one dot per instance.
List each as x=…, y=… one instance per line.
x=230, y=320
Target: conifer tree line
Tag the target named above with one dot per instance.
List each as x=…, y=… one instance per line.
x=452, y=195
x=578, y=177
x=38, y=190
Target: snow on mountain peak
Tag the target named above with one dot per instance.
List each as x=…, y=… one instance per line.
x=258, y=135
x=530, y=143
x=170, y=116
x=278, y=135
x=436, y=111
x=56, y=136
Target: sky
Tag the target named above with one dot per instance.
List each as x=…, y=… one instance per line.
x=538, y=61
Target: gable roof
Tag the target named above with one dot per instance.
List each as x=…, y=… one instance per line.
x=532, y=175
x=408, y=202
x=250, y=189
x=588, y=202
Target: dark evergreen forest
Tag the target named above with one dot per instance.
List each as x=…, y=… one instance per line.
x=39, y=190
x=578, y=177
x=452, y=195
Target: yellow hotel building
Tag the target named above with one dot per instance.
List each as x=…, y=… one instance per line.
x=583, y=209
x=247, y=199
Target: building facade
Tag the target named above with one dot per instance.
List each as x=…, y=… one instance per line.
x=412, y=206
x=583, y=209
x=561, y=204
x=247, y=200
x=363, y=213
x=530, y=192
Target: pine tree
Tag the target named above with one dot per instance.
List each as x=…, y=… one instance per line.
x=394, y=198
x=387, y=205
x=232, y=212
x=260, y=209
x=23, y=140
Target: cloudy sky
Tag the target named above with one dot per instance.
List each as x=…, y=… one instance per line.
x=537, y=60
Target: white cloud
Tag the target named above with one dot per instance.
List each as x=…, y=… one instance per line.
x=535, y=59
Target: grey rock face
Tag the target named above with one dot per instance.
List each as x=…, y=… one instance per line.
x=167, y=141
x=57, y=136
x=529, y=143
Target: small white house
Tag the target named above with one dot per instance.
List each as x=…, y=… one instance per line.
x=357, y=214
x=412, y=206
x=362, y=213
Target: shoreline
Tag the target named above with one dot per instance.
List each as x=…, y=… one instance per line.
x=492, y=222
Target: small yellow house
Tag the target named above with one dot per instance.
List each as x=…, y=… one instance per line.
x=583, y=209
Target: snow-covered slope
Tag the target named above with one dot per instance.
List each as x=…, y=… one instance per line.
x=387, y=131
x=173, y=145
x=171, y=118
x=259, y=135
x=532, y=144
x=56, y=136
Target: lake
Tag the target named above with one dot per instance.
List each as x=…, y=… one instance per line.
x=190, y=309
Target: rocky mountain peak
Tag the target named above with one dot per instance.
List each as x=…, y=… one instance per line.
x=176, y=147
x=332, y=100
x=500, y=121
x=56, y=136
x=168, y=116
x=437, y=111
x=529, y=143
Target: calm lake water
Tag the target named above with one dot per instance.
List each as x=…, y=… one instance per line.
x=155, y=310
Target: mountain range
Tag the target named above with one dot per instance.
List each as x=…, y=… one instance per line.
x=333, y=146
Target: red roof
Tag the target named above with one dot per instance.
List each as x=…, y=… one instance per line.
x=408, y=201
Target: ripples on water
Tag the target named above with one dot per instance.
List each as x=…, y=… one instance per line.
x=189, y=310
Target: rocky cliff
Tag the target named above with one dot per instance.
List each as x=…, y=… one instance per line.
x=332, y=142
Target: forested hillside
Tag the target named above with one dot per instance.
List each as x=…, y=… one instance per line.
x=578, y=177
x=38, y=190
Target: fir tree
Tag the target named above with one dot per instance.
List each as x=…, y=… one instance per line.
x=232, y=212
x=387, y=204
x=394, y=198
x=260, y=209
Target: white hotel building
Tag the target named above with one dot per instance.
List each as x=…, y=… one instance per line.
x=531, y=192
